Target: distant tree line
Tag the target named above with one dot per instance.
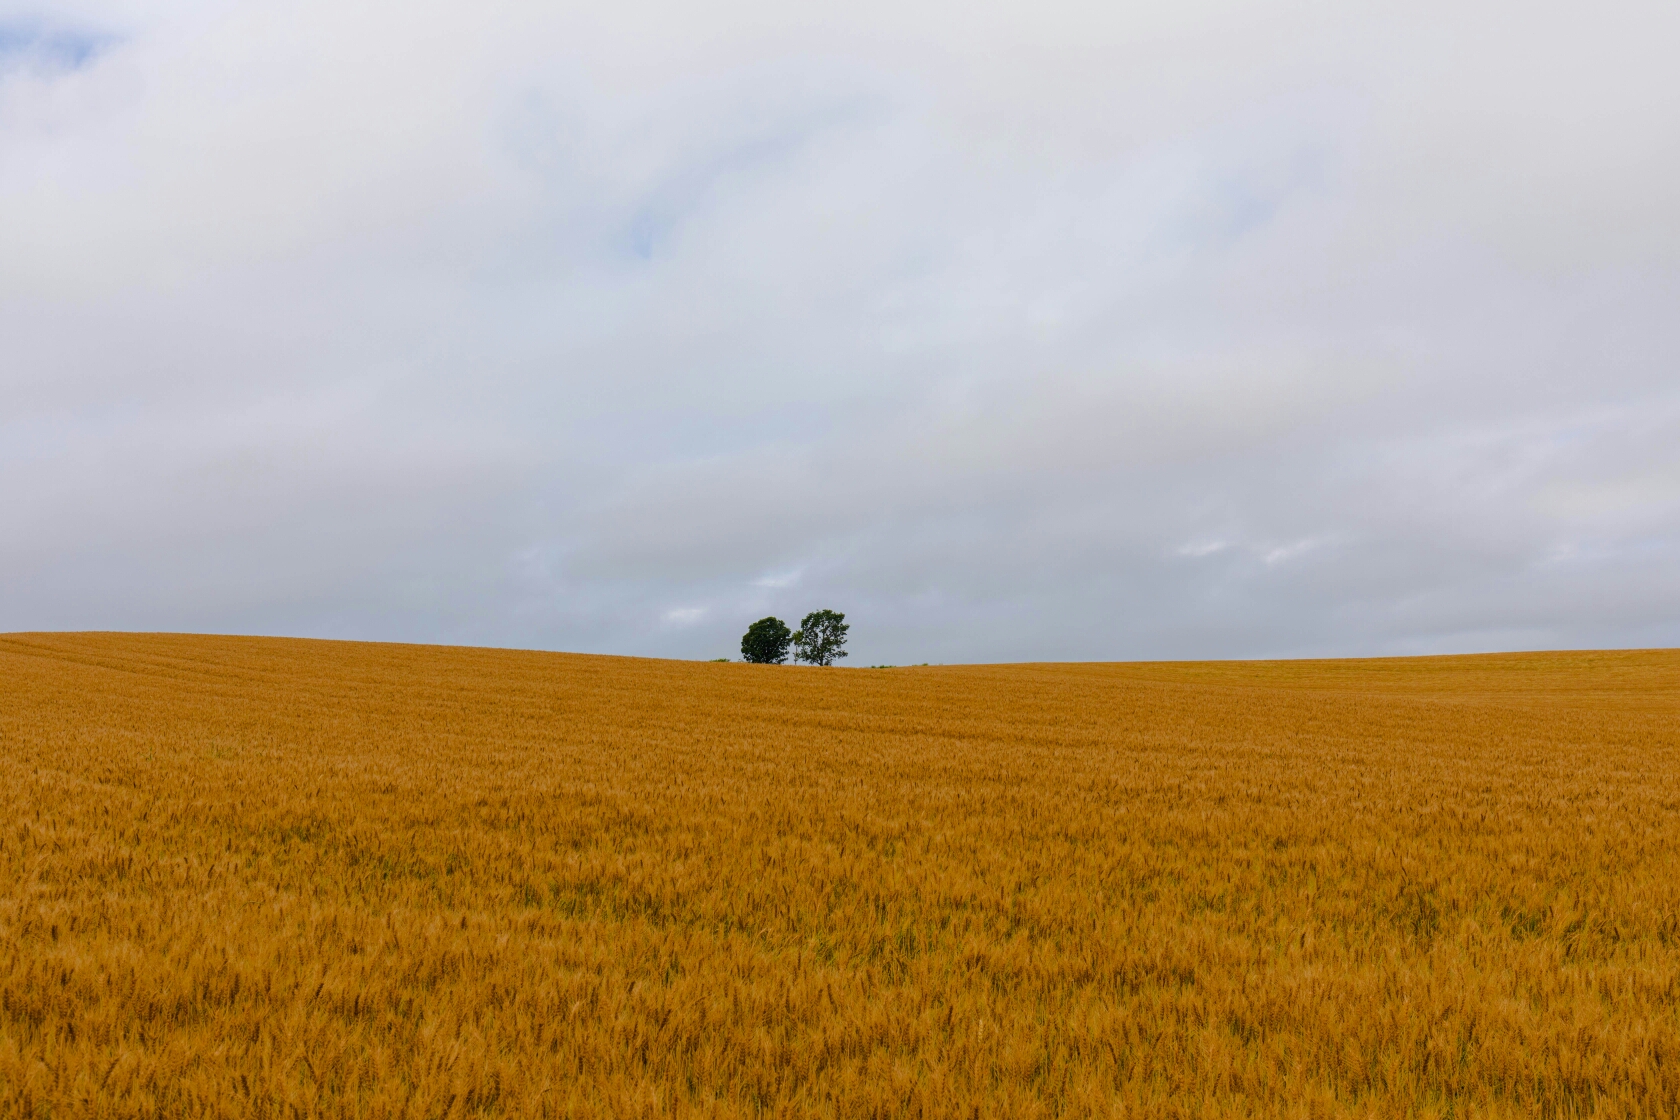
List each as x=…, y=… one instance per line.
x=820, y=640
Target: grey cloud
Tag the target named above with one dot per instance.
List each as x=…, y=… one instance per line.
x=1215, y=329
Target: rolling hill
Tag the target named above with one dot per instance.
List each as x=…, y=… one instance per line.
x=272, y=877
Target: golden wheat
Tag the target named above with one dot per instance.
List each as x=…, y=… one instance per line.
x=252, y=877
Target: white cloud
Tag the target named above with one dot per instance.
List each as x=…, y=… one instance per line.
x=685, y=616
x=1294, y=550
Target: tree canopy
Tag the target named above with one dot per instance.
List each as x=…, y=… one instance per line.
x=821, y=638
x=766, y=642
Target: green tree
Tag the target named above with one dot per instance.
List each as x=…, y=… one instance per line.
x=766, y=642
x=821, y=638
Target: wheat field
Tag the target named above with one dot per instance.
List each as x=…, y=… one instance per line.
x=280, y=878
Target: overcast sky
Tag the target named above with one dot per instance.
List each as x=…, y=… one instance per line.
x=1014, y=331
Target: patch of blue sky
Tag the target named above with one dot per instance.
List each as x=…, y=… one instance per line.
x=648, y=228
x=56, y=48
x=1219, y=207
x=1242, y=204
x=688, y=189
x=1239, y=209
